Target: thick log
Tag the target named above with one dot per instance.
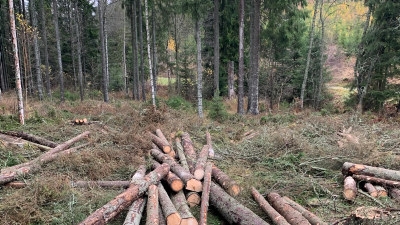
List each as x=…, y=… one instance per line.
x=381, y=191
x=191, y=183
x=349, y=188
x=291, y=215
x=169, y=211
x=311, y=217
x=161, y=221
x=201, y=163
x=160, y=134
x=152, y=206
x=371, y=189
x=376, y=180
x=277, y=218
x=163, y=145
x=181, y=154
x=174, y=182
x=103, y=184
x=193, y=198
x=205, y=194
x=126, y=198
x=31, y=138
x=225, y=181
x=211, y=153
x=395, y=194
x=349, y=169
x=190, y=153
x=231, y=209
x=179, y=201
x=135, y=212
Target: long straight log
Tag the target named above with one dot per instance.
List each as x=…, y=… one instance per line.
x=231, y=209
x=169, y=211
x=160, y=134
x=201, y=163
x=136, y=209
x=311, y=217
x=376, y=180
x=190, y=153
x=103, y=184
x=175, y=183
x=277, y=218
x=205, y=194
x=349, y=169
x=349, y=188
x=161, y=221
x=211, y=153
x=152, y=206
x=125, y=199
x=225, y=181
x=179, y=201
x=181, y=154
x=31, y=138
x=162, y=144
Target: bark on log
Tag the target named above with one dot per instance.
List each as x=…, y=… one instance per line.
x=371, y=189
x=395, y=194
x=103, y=184
x=161, y=215
x=277, y=218
x=349, y=169
x=201, y=163
x=311, y=217
x=135, y=212
x=291, y=215
x=205, y=194
x=160, y=134
x=172, y=179
x=190, y=182
x=211, y=153
x=193, y=198
x=181, y=154
x=179, y=201
x=225, y=181
x=16, y=184
x=169, y=211
x=139, y=174
x=381, y=191
x=190, y=153
x=349, y=188
x=231, y=209
x=376, y=180
x=152, y=206
x=125, y=199
x=163, y=145
x=31, y=138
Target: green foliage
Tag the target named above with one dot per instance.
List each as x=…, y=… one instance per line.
x=68, y=95
x=177, y=102
x=36, y=118
x=278, y=118
x=9, y=122
x=217, y=110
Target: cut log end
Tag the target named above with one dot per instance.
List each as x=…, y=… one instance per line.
x=193, y=199
x=177, y=185
x=189, y=221
x=194, y=185
x=199, y=174
x=350, y=189
x=167, y=149
x=174, y=219
x=234, y=190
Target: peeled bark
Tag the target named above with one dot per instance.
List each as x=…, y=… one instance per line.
x=169, y=211
x=381, y=191
x=31, y=138
x=103, y=184
x=174, y=182
x=190, y=153
x=135, y=212
x=349, y=169
x=205, y=195
x=277, y=218
x=371, y=190
x=161, y=143
x=312, y=218
x=231, y=209
x=152, y=206
x=126, y=198
x=376, y=180
x=201, y=163
x=349, y=189
x=179, y=201
x=291, y=215
x=225, y=181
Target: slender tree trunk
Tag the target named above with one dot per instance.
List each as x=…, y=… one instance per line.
x=46, y=51
x=16, y=62
x=135, y=51
x=154, y=52
x=73, y=41
x=216, y=48
x=177, y=66
x=322, y=48
x=60, y=66
x=2, y=77
x=79, y=51
x=101, y=9
x=240, y=108
x=153, y=96
x=125, y=76
x=199, y=70
x=36, y=51
x=141, y=66
x=311, y=42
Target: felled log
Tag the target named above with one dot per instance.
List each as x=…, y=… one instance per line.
x=169, y=211
x=349, y=169
x=136, y=209
x=381, y=191
x=83, y=121
x=201, y=163
x=395, y=194
x=179, y=201
x=193, y=198
x=225, y=181
x=311, y=217
x=349, y=188
x=103, y=184
x=152, y=206
x=371, y=189
x=162, y=144
x=205, y=194
x=31, y=138
x=172, y=179
x=211, y=153
x=181, y=154
x=190, y=153
x=231, y=209
x=191, y=183
x=16, y=184
x=125, y=199
x=376, y=180
x=160, y=134
x=161, y=215
x=291, y=215
x=277, y=218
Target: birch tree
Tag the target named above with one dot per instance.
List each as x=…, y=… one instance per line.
x=153, y=96
x=36, y=50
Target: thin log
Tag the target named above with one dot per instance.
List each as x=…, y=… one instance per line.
x=201, y=163
x=395, y=194
x=205, y=194
x=126, y=198
x=152, y=206
x=311, y=217
x=174, y=182
x=225, y=181
x=139, y=174
x=162, y=220
x=163, y=145
x=103, y=184
x=349, y=188
x=376, y=180
x=381, y=191
x=349, y=169
x=169, y=211
x=160, y=134
x=371, y=189
x=291, y=215
x=191, y=183
x=211, y=153
x=193, y=198
x=135, y=212
x=16, y=184
x=179, y=201
x=277, y=218
x=231, y=209
x=190, y=153
x=31, y=138
x=181, y=154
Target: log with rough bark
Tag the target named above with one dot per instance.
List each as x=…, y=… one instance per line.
x=371, y=189
x=191, y=183
x=190, y=153
x=349, y=188
x=135, y=212
x=31, y=138
x=179, y=201
x=160, y=134
x=181, y=154
x=205, y=194
x=277, y=218
x=211, y=153
x=201, y=163
x=381, y=191
x=291, y=215
x=395, y=194
x=161, y=215
x=169, y=211
x=376, y=180
x=311, y=217
x=162, y=144
x=231, y=209
x=103, y=184
x=172, y=179
x=152, y=206
x=193, y=198
x=16, y=184
x=349, y=169
x=225, y=181
x=126, y=198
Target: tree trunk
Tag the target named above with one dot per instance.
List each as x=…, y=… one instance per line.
x=143, y=81
x=193, y=198
x=291, y=215
x=349, y=188
x=199, y=70
x=216, y=47
x=135, y=51
x=36, y=51
x=231, y=209
x=153, y=95
x=376, y=180
x=125, y=75
x=240, y=108
x=179, y=200
x=126, y=198
x=31, y=138
x=101, y=9
x=58, y=44
x=79, y=51
x=312, y=218
x=311, y=42
x=154, y=48
x=169, y=211
x=152, y=206
x=225, y=181
x=46, y=51
x=135, y=212
x=349, y=169
x=190, y=153
x=371, y=190
x=201, y=163
x=231, y=80
x=103, y=184
x=205, y=195
x=322, y=51
x=175, y=183
x=181, y=154
x=211, y=153
x=271, y=212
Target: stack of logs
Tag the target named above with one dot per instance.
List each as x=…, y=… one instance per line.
x=378, y=182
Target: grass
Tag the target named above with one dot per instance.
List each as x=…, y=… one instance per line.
x=296, y=155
